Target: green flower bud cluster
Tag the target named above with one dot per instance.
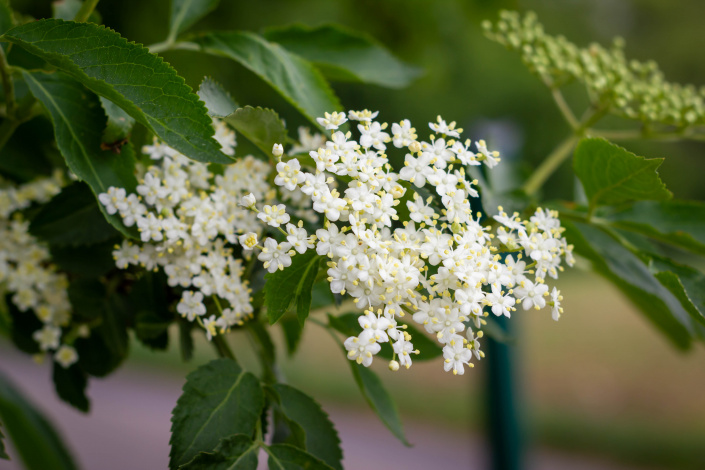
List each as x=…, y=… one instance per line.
x=628, y=88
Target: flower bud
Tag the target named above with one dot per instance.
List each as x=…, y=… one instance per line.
x=393, y=366
x=249, y=201
x=278, y=150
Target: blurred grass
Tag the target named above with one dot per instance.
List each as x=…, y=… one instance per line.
x=600, y=381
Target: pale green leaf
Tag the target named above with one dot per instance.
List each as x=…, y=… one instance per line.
x=321, y=438
x=218, y=101
x=291, y=76
x=78, y=125
x=680, y=223
x=238, y=452
x=288, y=457
x=185, y=13
x=613, y=175
x=67, y=10
x=344, y=54
x=260, y=126
x=219, y=399
x=34, y=438
x=127, y=74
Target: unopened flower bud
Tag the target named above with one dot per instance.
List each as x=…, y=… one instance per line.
x=393, y=366
x=278, y=150
x=415, y=147
x=248, y=201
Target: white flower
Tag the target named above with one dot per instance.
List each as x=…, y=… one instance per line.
x=66, y=356
x=289, y=174
x=210, y=325
x=555, y=302
x=248, y=241
x=377, y=325
x=491, y=157
x=500, y=304
x=191, y=305
x=298, y=238
x=113, y=200
x=403, y=134
x=362, y=348
x=365, y=116
x=47, y=337
x=278, y=150
x=456, y=355
x=442, y=128
x=275, y=256
x=332, y=121
x=274, y=215
x=416, y=170
x=531, y=295
x=403, y=348
x=373, y=136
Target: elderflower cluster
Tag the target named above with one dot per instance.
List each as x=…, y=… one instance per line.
x=190, y=223
x=27, y=277
x=631, y=89
x=396, y=252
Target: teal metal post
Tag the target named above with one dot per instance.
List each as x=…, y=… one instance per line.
x=503, y=421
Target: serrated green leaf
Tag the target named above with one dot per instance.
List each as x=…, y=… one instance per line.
x=35, y=439
x=680, y=223
x=379, y=399
x=304, y=290
x=321, y=438
x=613, y=175
x=629, y=273
x=78, y=124
x=219, y=399
x=70, y=384
x=260, y=126
x=238, y=452
x=291, y=76
x=119, y=125
x=72, y=218
x=288, y=457
x=127, y=74
x=218, y=101
x=282, y=288
x=185, y=13
x=3, y=453
x=107, y=346
x=344, y=54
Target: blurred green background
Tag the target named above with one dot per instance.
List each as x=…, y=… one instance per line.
x=600, y=381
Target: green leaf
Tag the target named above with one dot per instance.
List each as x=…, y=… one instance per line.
x=260, y=126
x=218, y=101
x=85, y=261
x=288, y=457
x=680, y=223
x=185, y=13
x=70, y=384
x=629, y=273
x=119, y=125
x=321, y=438
x=282, y=288
x=344, y=54
x=291, y=76
x=3, y=453
x=78, y=124
x=685, y=283
x=24, y=324
x=379, y=399
x=107, y=346
x=7, y=19
x=35, y=439
x=238, y=452
x=185, y=340
x=613, y=175
x=72, y=218
x=150, y=301
x=127, y=74
x=292, y=332
x=219, y=399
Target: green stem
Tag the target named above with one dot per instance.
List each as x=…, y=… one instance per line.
x=85, y=11
x=173, y=46
x=550, y=164
x=221, y=346
x=563, y=107
x=8, y=85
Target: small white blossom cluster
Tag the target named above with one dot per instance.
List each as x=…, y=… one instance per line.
x=440, y=265
x=190, y=221
x=26, y=271
x=629, y=88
